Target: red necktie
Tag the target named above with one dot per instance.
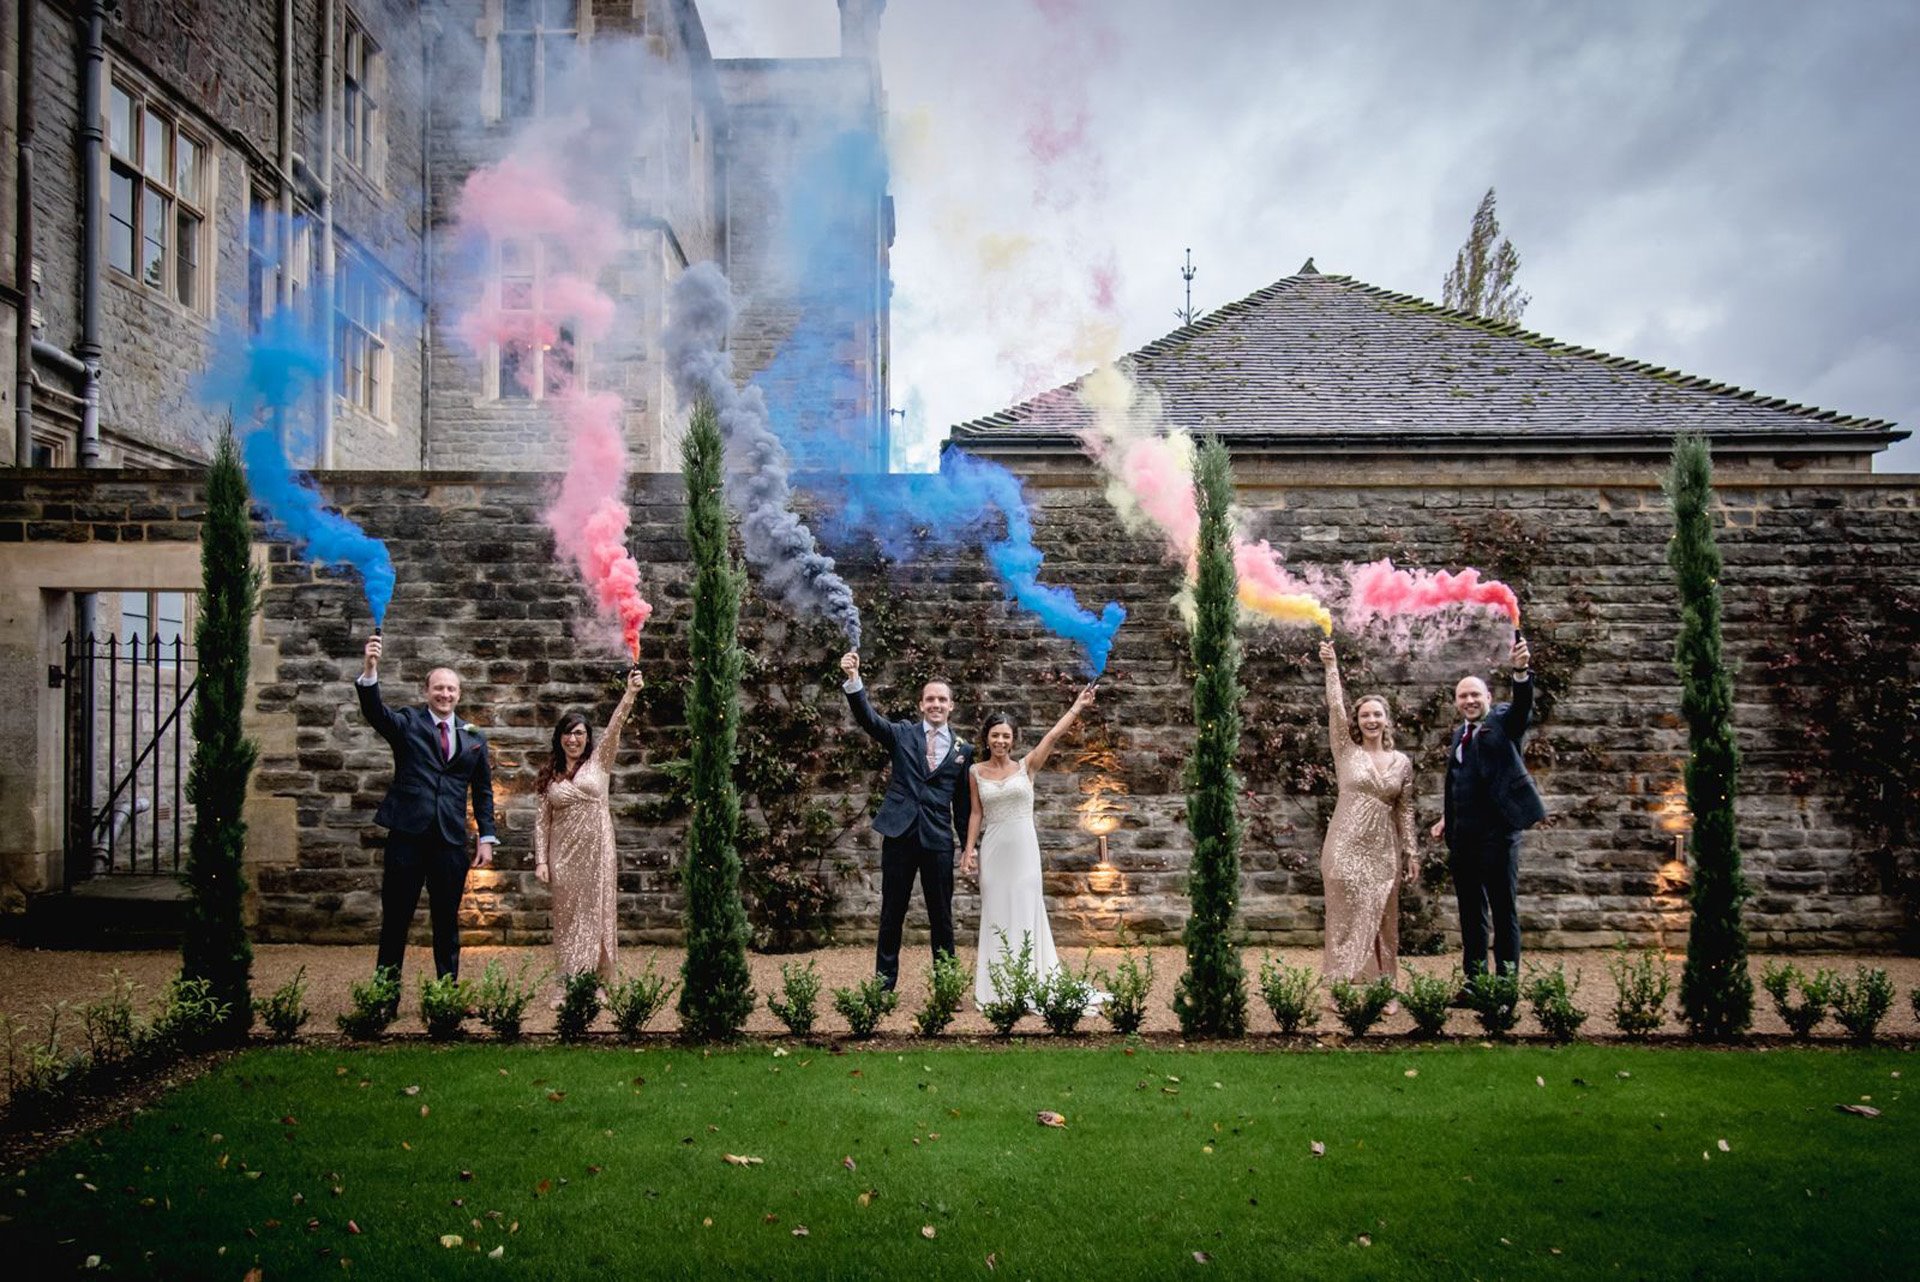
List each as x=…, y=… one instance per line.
x=1466, y=740
x=446, y=744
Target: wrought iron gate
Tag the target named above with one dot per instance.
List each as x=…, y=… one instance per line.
x=127, y=745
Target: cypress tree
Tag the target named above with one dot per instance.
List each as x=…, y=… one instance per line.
x=1211, y=999
x=1716, y=992
x=715, y=993
x=215, y=945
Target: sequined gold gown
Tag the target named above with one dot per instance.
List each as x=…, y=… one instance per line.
x=1368, y=841
x=574, y=834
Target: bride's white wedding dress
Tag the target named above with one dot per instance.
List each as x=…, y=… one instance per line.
x=1012, y=898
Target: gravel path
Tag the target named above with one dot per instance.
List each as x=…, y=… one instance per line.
x=32, y=978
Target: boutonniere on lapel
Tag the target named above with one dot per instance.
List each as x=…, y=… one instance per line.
x=962, y=747
x=467, y=727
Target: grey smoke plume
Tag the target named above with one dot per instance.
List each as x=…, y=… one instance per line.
x=792, y=567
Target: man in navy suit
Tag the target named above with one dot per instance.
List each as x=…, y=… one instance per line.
x=1490, y=802
x=437, y=764
x=927, y=801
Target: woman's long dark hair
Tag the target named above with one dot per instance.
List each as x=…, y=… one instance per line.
x=556, y=767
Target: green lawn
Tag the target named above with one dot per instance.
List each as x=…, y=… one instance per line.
x=1452, y=1162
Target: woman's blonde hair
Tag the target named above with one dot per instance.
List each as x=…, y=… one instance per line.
x=1386, y=732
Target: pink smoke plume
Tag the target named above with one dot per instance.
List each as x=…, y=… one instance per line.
x=1150, y=484
x=1380, y=590
x=523, y=202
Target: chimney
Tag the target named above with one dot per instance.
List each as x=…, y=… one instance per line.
x=860, y=28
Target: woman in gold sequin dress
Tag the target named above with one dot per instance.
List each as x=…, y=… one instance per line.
x=1370, y=841
x=573, y=840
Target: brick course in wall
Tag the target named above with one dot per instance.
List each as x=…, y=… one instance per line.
x=479, y=589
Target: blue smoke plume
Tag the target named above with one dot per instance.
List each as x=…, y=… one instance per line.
x=973, y=501
x=823, y=384
x=832, y=213
x=264, y=380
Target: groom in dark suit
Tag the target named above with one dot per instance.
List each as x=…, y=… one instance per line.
x=1490, y=802
x=927, y=801
x=437, y=764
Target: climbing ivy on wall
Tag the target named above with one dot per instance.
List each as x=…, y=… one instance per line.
x=1847, y=681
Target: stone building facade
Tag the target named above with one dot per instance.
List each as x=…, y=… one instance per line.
x=308, y=154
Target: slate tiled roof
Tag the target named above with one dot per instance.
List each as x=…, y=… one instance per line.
x=1327, y=360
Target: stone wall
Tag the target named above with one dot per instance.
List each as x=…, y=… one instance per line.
x=479, y=589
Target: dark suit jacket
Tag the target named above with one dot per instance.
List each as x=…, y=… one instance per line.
x=1508, y=801
x=928, y=808
x=428, y=795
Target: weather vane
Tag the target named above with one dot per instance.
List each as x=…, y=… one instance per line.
x=1187, y=272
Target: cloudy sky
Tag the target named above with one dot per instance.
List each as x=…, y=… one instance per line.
x=1728, y=188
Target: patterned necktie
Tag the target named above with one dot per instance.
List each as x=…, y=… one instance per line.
x=933, y=750
x=446, y=743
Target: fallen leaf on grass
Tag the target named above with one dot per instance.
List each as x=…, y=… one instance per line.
x=848, y=1162
x=451, y=1240
x=497, y=1252
x=466, y=1176
x=423, y=1110
x=1047, y=1117
x=769, y=1218
x=1725, y=1147
x=252, y=1275
x=410, y=1090
x=1553, y=1250
x=1319, y=1149
x=1201, y=1257
x=741, y=1159
x=1858, y=1110
x=1539, y=1081
x=1412, y=1072
x=926, y=1231
x=289, y=1120
x=353, y=1228
x=866, y=1198
x=556, y=1096
x=543, y=1188
x=800, y=1230
x=1364, y=1240
x=993, y=1261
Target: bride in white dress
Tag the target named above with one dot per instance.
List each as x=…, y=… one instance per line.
x=1004, y=848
